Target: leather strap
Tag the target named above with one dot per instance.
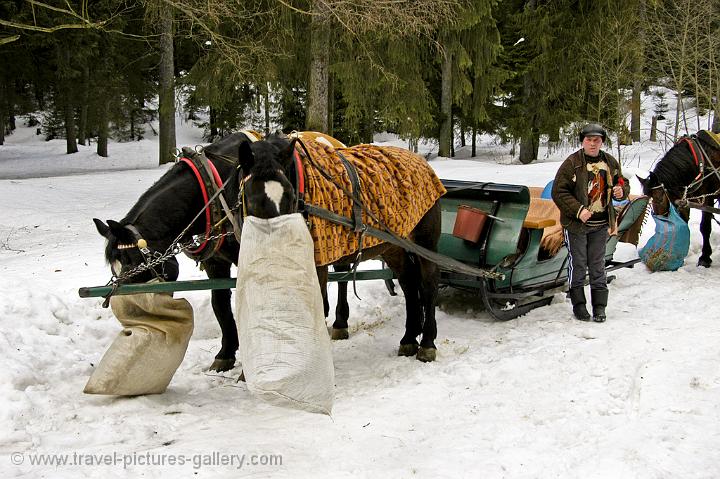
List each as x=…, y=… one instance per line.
x=209, y=182
x=355, y=185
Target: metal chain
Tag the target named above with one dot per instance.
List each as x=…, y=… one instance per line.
x=174, y=249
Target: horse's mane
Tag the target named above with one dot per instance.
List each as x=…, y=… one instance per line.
x=677, y=168
x=169, y=181
x=226, y=148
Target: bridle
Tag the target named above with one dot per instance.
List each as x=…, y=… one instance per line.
x=298, y=204
x=665, y=193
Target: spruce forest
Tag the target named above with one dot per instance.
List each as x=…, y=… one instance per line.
x=525, y=71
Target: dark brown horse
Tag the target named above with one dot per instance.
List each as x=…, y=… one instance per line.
x=270, y=190
x=688, y=172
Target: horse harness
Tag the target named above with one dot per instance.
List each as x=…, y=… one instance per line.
x=200, y=248
x=210, y=183
x=355, y=221
x=702, y=162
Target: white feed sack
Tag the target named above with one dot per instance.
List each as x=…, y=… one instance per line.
x=149, y=349
x=284, y=344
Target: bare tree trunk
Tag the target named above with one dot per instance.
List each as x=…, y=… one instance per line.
x=69, y=117
x=684, y=116
x=331, y=107
x=213, y=124
x=413, y=144
x=102, y=141
x=166, y=114
x=446, y=106
x=678, y=107
x=635, y=111
x=317, y=97
x=84, y=94
x=65, y=93
x=258, y=99
x=529, y=146
x=474, y=142
x=716, y=120
x=132, y=124
x=530, y=141
x=3, y=110
x=266, y=101
x=653, y=129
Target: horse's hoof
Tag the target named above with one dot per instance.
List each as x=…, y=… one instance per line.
x=426, y=355
x=408, y=350
x=339, y=333
x=704, y=262
x=221, y=365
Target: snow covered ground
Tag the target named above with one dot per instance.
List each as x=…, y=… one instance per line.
x=539, y=396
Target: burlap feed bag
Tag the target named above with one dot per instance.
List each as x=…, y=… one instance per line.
x=147, y=352
x=284, y=344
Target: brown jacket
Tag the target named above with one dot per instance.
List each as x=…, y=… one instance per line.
x=570, y=193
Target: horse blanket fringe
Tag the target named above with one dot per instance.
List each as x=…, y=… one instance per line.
x=398, y=186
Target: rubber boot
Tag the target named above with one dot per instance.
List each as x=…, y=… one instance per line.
x=599, y=301
x=577, y=297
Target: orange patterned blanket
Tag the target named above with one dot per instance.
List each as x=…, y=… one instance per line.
x=398, y=186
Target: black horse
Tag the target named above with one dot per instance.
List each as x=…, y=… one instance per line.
x=269, y=190
x=689, y=170
x=161, y=214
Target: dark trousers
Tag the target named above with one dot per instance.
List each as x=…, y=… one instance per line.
x=587, y=255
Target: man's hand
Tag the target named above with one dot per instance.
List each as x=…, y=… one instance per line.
x=618, y=192
x=585, y=215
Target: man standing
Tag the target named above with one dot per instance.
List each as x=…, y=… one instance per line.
x=583, y=190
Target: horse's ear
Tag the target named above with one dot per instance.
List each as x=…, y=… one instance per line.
x=246, y=156
x=286, y=155
x=642, y=180
x=102, y=228
x=116, y=229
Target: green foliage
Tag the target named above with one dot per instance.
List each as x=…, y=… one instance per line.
x=291, y=107
x=520, y=68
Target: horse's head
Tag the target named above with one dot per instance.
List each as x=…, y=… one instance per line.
x=653, y=188
x=126, y=250
x=267, y=189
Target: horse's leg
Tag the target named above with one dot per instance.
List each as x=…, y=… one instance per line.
x=429, y=280
x=407, y=271
x=427, y=234
x=342, y=309
x=322, y=274
x=705, y=229
x=225, y=358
